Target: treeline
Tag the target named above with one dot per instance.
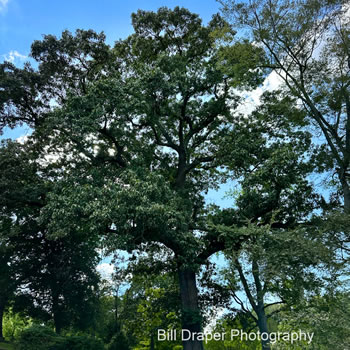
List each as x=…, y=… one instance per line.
x=126, y=143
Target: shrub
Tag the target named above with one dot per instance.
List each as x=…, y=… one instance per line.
x=14, y=324
x=44, y=338
x=78, y=342
x=37, y=338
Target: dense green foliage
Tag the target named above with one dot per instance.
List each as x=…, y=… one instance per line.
x=37, y=337
x=43, y=338
x=58, y=274
x=127, y=142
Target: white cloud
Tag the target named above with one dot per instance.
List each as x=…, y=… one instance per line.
x=105, y=270
x=3, y=5
x=14, y=56
x=252, y=98
x=22, y=139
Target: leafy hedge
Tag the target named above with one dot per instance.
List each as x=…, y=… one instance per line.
x=37, y=338
x=81, y=342
x=44, y=338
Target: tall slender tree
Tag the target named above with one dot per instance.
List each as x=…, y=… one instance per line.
x=270, y=213
x=307, y=44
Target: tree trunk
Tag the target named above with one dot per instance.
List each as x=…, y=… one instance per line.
x=346, y=191
x=151, y=347
x=262, y=324
x=2, y=309
x=345, y=185
x=259, y=307
x=191, y=316
x=57, y=317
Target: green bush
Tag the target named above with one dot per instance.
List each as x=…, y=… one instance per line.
x=37, y=338
x=78, y=342
x=44, y=338
x=14, y=324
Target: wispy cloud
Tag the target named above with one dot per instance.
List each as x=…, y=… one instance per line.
x=3, y=5
x=14, y=56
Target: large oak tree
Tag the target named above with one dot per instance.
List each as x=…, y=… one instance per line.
x=135, y=130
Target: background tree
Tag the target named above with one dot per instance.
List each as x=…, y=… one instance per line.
x=7, y=281
x=225, y=325
x=327, y=316
x=271, y=214
x=158, y=309
x=307, y=44
x=12, y=158
x=55, y=278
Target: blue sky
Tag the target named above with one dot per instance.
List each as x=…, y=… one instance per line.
x=22, y=21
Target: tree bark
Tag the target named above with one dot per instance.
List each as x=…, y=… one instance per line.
x=57, y=317
x=152, y=342
x=344, y=179
x=191, y=316
x=2, y=309
x=346, y=191
x=259, y=307
x=262, y=324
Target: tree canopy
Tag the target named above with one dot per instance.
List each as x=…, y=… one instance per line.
x=128, y=140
